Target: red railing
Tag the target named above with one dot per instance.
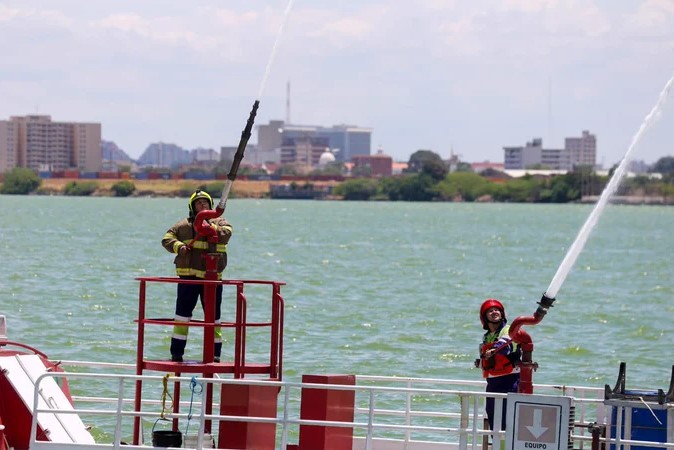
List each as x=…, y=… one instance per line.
x=240, y=365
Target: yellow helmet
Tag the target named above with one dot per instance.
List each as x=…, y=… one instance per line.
x=196, y=196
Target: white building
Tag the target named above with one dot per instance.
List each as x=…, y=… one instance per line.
x=205, y=155
x=577, y=151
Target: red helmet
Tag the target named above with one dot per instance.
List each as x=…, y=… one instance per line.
x=488, y=304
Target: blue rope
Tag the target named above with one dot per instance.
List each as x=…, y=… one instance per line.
x=193, y=387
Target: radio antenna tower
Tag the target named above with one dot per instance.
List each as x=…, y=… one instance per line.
x=288, y=102
x=549, y=110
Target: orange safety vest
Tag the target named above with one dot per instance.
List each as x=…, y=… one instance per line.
x=498, y=364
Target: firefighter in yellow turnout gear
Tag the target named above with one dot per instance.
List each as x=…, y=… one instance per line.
x=190, y=265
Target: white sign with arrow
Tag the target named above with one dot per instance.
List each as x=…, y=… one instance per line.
x=537, y=422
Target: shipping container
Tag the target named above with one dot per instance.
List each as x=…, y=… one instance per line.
x=108, y=175
x=198, y=176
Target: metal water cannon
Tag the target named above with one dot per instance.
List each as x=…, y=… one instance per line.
x=203, y=228
x=201, y=224
x=523, y=339
x=238, y=156
x=200, y=221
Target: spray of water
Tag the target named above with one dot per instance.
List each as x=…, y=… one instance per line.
x=246, y=133
x=273, y=51
x=610, y=189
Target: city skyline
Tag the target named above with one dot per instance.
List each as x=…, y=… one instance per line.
x=448, y=76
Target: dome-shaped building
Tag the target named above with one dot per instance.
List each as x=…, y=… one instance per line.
x=326, y=158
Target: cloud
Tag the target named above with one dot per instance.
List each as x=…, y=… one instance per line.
x=654, y=16
x=433, y=71
x=44, y=17
x=7, y=13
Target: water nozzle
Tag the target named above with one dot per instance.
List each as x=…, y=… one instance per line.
x=543, y=305
x=546, y=302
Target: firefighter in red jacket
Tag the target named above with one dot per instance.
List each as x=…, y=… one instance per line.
x=499, y=356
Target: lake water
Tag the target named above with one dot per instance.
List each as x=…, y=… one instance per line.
x=373, y=288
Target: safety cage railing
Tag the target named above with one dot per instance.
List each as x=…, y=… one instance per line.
x=240, y=365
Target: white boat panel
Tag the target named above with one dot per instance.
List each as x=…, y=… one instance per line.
x=22, y=371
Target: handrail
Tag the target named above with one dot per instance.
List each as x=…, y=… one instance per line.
x=240, y=323
x=456, y=415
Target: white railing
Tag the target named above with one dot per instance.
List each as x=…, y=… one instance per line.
x=390, y=412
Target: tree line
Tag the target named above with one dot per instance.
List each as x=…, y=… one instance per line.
x=427, y=178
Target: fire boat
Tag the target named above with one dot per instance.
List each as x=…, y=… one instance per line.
x=244, y=402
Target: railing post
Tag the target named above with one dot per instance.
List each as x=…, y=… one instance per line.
x=370, y=420
x=463, y=423
x=240, y=332
x=498, y=419
x=139, y=360
x=620, y=413
x=284, y=431
x=276, y=331
x=408, y=408
x=120, y=407
x=476, y=406
x=202, y=427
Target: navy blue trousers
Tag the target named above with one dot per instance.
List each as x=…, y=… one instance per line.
x=503, y=384
x=186, y=301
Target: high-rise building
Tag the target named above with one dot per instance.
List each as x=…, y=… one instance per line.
x=87, y=153
x=269, y=136
x=523, y=157
x=252, y=154
x=577, y=151
x=582, y=150
x=303, y=151
x=345, y=141
x=38, y=143
x=9, y=137
x=227, y=153
x=205, y=155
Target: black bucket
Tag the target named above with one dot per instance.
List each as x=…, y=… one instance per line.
x=167, y=438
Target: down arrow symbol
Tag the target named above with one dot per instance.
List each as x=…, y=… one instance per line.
x=537, y=429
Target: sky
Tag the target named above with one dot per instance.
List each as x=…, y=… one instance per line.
x=466, y=77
